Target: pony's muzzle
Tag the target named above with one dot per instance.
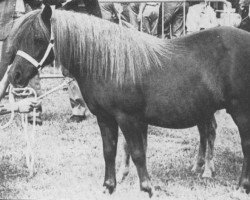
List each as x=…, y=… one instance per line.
x=15, y=78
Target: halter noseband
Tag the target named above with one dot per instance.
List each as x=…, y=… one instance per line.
x=33, y=61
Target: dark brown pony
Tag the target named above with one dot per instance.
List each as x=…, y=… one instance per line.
x=130, y=79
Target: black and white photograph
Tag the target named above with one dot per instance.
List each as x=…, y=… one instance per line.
x=125, y=99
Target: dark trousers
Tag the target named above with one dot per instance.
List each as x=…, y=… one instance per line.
x=173, y=20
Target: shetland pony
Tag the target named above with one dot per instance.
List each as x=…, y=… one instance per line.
x=130, y=79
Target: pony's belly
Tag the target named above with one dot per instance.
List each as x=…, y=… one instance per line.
x=177, y=116
x=172, y=121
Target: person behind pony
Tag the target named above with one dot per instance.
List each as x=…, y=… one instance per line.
x=109, y=12
x=132, y=14
x=144, y=16
x=118, y=13
x=200, y=16
x=245, y=23
x=230, y=15
x=244, y=8
x=173, y=19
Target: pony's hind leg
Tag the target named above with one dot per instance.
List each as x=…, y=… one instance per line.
x=207, y=130
x=200, y=159
x=109, y=132
x=209, y=169
x=135, y=132
x=240, y=113
x=124, y=169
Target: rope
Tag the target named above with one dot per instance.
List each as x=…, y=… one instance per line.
x=65, y=83
x=24, y=92
x=29, y=135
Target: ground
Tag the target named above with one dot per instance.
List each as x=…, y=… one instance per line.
x=69, y=162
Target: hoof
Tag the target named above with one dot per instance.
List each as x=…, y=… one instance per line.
x=146, y=187
x=245, y=184
x=109, y=187
x=198, y=165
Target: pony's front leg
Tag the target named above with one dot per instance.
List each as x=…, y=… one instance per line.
x=135, y=132
x=109, y=132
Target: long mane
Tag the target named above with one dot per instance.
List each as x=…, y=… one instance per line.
x=106, y=48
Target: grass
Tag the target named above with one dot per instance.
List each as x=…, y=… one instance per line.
x=69, y=162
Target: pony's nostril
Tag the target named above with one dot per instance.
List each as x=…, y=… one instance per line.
x=17, y=77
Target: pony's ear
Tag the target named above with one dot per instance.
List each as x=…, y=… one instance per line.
x=46, y=14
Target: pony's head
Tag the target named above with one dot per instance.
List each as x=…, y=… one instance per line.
x=30, y=45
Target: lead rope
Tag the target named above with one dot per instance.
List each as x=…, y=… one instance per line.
x=29, y=135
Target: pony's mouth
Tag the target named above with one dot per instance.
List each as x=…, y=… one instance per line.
x=20, y=85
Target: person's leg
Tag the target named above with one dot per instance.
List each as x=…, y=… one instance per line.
x=150, y=19
x=177, y=29
x=166, y=28
x=125, y=15
x=177, y=21
x=133, y=12
x=154, y=16
x=77, y=103
x=146, y=20
x=108, y=12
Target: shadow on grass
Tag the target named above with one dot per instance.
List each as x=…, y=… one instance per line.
x=9, y=173
x=54, y=116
